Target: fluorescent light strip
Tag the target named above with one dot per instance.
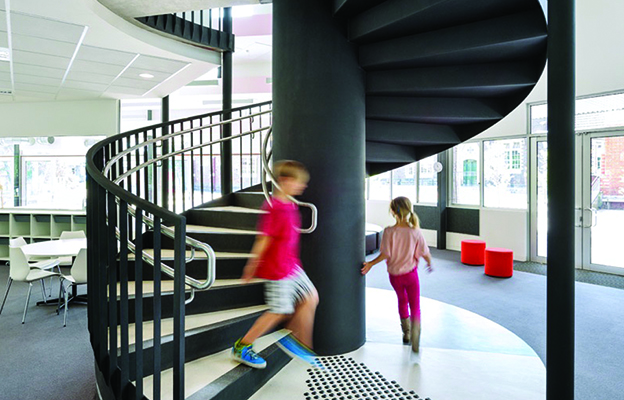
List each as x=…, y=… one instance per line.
x=121, y=73
x=73, y=58
x=7, y=10
x=174, y=74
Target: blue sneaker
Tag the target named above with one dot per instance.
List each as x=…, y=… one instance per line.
x=246, y=355
x=296, y=349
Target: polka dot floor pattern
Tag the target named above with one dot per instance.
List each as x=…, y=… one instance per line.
x=342, y=378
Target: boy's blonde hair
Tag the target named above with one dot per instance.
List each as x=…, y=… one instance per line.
x=291, y=169
x=401, y=207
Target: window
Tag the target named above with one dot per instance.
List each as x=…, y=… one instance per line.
x=379, y=187
x=404, y=182
x=428, y=181
x=465, y=183
x=505, y=173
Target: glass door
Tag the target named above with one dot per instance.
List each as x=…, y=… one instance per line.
x=602, y=214
x=538, y=198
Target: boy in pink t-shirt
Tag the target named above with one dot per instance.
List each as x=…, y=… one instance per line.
x=402, y=246
x=288, y=291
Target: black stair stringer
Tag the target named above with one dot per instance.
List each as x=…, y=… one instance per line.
x=199, y=342
x=242, y=382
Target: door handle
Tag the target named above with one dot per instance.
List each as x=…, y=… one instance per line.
x=594, y=217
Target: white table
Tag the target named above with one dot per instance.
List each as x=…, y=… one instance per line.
x=55, y=248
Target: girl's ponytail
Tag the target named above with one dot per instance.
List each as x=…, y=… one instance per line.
x=413, y=220
x=402, y=208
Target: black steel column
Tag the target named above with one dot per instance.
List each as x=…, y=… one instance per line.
x=226, y=80
x=442, y=199
x=560, y=283
x=319, y=119
x=164, y=193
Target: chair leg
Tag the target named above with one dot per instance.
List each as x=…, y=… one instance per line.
x=58, y=307
x=66, y=306
x=43, y=291
x=27, y=300
x=6, y=293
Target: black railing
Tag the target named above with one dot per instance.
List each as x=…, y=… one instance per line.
x=124, y=200
x=201, y=27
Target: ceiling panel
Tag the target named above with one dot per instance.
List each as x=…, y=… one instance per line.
x=38, y=70
x=66, y=93
x=23, y=24
x=44, y=60
x=90, y=77
x=92, y=87
x=133, y=73
x=37, y=80
x=150, y=63
x=100, y=55
x=121, y=90
x=35, y=88
x=44, y=46
x=3, y=20
x=5, y=79
x=25, y=95
x=135, y=83
x=4, y=41
x=90, y=66
x=5, y=66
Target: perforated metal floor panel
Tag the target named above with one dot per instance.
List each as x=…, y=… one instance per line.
x=342, y=378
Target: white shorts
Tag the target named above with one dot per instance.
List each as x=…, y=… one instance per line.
x=283, y=295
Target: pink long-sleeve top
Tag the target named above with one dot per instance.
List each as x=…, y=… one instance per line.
x=404, y=246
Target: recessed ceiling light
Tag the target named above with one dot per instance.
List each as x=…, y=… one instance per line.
x=5, y=54
x=146, y=76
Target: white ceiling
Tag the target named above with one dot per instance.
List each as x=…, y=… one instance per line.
x=62, y=59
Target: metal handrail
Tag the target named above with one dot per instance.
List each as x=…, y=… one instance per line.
x=267, y=171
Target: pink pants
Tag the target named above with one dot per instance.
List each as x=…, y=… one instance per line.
x=407, y=289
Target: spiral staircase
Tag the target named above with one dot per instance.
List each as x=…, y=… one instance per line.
x=438, y=72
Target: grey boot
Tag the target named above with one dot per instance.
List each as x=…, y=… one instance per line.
x=415, y=336
x=405, y=325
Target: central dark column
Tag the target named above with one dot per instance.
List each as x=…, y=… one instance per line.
x=319, y=119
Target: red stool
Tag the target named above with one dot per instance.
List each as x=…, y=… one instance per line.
x=498, y=262
x=472, y=252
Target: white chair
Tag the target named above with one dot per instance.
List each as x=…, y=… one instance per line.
x=73, y=235
x=77, y=276
x=43, y=264
x=20, y=270
x=70, y=235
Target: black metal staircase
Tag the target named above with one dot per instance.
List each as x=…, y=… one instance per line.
x=438, y=72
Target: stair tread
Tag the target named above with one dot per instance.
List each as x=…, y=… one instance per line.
x=167, y=254
x=201, y=372
x=191, y=321
x=167, y=285
x=217, y=229
x=237, y=209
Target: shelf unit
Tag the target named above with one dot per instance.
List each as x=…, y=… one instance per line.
x=37, y=225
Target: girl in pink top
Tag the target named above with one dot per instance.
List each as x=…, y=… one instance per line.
x=402, y=245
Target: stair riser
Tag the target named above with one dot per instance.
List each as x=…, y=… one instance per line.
x=233, y=243
x=249, y=200
x=226, y=269
x=200, y=343
x=225, y=219
x=217, y=299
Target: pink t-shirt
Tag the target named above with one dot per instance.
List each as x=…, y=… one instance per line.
x=281, y=223
x=404, y=246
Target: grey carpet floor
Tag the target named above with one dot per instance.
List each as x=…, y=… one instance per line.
x=519, y=304
x=42, y=360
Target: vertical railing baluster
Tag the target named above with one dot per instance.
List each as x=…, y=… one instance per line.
x=240, y=151
x=178, y=309
x=112, y=283
x=172, y=167
x=157, y=306
x=182, y=159
x=124, y=228
x=192, y=167
x=212, y=178
x=251, y=169
x=138, y=304
x=155, y=173
x=210, y=18
x=201, y=159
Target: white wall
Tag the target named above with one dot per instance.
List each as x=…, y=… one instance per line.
x=60, y=118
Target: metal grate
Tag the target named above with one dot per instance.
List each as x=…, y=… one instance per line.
x=342, y=378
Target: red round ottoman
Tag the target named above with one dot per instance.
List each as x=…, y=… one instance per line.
x=498, y=262
x=472, y=252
